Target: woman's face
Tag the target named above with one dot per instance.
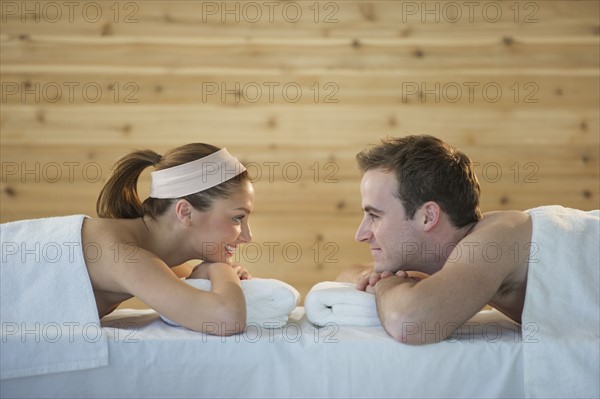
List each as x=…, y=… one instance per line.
x=224, y=226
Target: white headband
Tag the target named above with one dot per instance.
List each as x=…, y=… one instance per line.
x=195, y=176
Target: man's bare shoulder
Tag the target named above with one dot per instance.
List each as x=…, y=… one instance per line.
x=503, y=220
x=501, y=238
x=504, y=241
x=502, y=228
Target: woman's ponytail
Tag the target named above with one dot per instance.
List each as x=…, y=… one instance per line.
x=119, y=198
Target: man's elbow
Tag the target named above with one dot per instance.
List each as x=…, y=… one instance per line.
x=411, y=330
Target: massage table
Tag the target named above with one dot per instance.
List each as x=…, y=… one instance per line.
x=149, y=358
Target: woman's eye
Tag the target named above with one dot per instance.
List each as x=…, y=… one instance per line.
x=373, y=217
x=238, y=218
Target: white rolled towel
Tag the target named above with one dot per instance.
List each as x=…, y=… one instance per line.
x=269, y=302
x=342, y=304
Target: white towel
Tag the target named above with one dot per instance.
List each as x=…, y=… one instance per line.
x=48, y=312
x=340, y=303
x=561, y=317
x=269, y=302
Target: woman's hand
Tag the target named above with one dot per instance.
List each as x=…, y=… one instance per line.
x=241, y=272
x=200, y=271
x=203, y=271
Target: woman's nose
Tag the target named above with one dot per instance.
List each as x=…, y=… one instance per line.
x=246, y=235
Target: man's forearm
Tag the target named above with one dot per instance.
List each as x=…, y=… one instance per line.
x=354, y=273
x=393, y=298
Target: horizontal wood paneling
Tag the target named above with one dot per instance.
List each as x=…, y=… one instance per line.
x=293, y=124
x=189, y=21
x=343, y=56
x=475, y=90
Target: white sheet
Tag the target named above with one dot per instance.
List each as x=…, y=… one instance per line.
x=562, y=305
x=47, y=308
x=340, y=303
x=269, y=302
x=150, y=359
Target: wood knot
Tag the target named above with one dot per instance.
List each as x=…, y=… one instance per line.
x=587, y=194
x=40, y=116
x=340, y=205
x=367, y=11
x=126, y=129
x=8, y=190
x=419, y=53
x=583, y=125
x=405, y=32
x=158, y=89
x=272, y=122
x=24, y=37
x=504, y=200
x=508, y=41
x=585, y=159
x=106, y=30
x=319, y=238
x=392, y=121
x=558, y=92
x=356, y=43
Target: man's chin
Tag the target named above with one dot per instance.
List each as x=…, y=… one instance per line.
x=381, y=267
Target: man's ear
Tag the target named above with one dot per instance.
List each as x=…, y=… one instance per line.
x=183, y=212
x=430, y=215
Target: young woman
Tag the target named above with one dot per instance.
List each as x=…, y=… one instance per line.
x=200, y=200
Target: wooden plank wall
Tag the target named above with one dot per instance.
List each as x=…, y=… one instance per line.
x=297, y=88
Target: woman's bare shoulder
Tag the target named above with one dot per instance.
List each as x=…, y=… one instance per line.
x=104, y=230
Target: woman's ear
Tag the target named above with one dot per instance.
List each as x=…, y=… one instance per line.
x=183, y=211
x=430, y=215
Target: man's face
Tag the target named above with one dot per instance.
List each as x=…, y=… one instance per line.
x=384, y=226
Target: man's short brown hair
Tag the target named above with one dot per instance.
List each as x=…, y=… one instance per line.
x=428, y=169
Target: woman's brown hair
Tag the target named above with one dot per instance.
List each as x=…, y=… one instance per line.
x=119, y=197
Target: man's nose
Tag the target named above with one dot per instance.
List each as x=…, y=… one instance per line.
x=363, y=233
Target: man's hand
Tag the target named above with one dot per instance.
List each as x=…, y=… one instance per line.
x=368, y=282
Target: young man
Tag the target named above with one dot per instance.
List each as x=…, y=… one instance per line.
x=420, y=199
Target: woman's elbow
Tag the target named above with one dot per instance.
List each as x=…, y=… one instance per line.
x=230, y=320
x=224, y=320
